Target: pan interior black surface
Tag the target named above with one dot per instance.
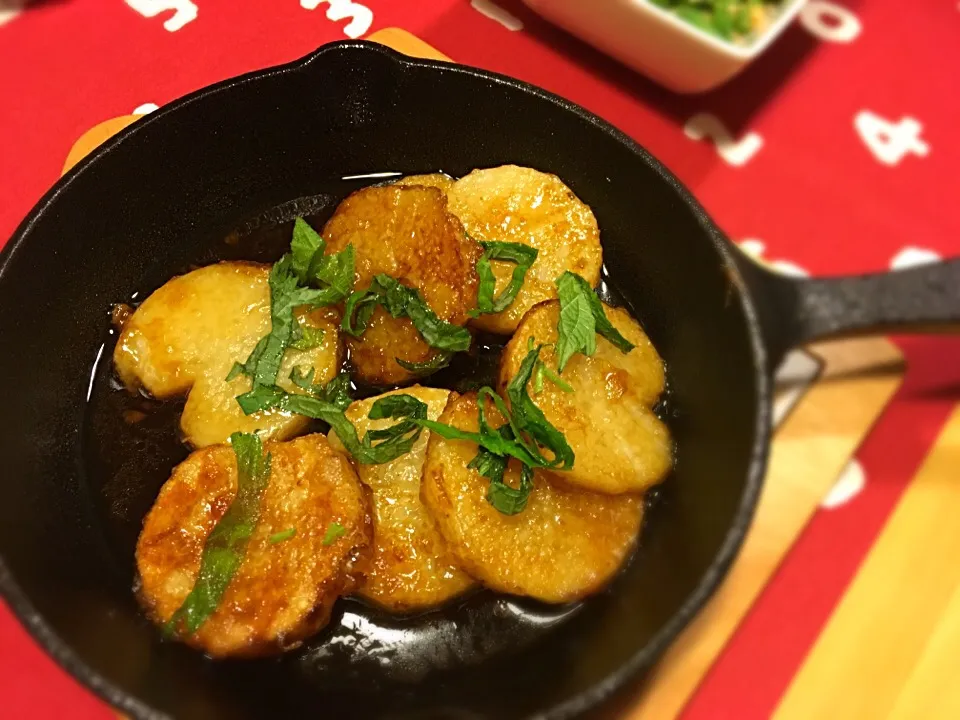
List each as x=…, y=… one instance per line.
x=131, y=442
x=164, y=198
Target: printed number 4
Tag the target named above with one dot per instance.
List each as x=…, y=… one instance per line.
x=890, y=142
x=734, y=152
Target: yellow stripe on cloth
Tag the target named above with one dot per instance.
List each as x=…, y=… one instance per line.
x=810, y=450
x=890, y=648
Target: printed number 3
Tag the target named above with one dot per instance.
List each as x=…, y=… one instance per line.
x=184, y=11
x=361, y=18
x=734, y=152
x=890, y=142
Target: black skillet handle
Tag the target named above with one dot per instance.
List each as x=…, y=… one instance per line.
x=924, y=299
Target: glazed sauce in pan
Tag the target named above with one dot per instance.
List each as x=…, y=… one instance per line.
x=132, y=443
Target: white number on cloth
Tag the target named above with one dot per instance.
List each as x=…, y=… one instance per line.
x=497, y=14
x=757, y=248
x=913, y=257
x=361, y=17
x=735, y=152
x=184, y=11
x=9, y=10
x=829, y=21
x=890, y=142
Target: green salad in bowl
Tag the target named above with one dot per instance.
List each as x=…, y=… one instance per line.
x=738, y=21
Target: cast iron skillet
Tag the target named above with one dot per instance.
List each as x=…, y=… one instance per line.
x=164, y=192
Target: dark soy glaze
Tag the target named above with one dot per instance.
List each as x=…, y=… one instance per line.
x=132, y=442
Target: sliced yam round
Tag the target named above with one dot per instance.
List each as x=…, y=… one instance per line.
x=283, y=591
x=564, y=545
x=411, y=568
x=374, y=355
x=437, y=180
x=619, y=444
x=522, y=205
x=185, y=337
x=406, y=233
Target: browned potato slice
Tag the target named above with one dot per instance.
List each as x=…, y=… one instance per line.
x=407, y=233
x=564, y=545
x=283, y=591
x=620, y=445
x=411, y=568
x=522, y=205
x=437, y=180
x=186, y=336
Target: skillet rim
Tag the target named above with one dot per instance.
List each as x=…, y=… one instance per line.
x=644, y=658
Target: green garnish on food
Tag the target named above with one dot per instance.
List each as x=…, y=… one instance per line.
x=503, y=497
x=286, y=294
x=527, y=418
x=526, y=434
x=333, y=273
x=734, y=20
x=498, y=441
x=226, y=545
x=496, y=447
x=522, y=255
x=282, y=536
x=336, y=392
x=438, y=361
x=581, y=317
x=541, y=371
x=529, y=429
x=265, y=397
x=402, y=301
x=330, y=280
x=526, y=431
x=328, y=404
x=309, y=337
x=523, y=435
x=510, y=500
x=334, y=532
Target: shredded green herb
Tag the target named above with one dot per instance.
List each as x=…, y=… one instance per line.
x=506, y=499
x=438, y=361
x=529, y=419
x=332, y=274
x=336, y=392
x=523, y=419
x=402, y=301
x=328, y=404
x=282, y=536
x=581, y=318
x=523, y=255
x=224, y=549
x=334, y=533
x=523, y=435
x=304, y=276
x=510, y=500
x=541, y=371
x=306, y=337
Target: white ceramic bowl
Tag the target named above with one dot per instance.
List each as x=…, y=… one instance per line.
x=659, y=44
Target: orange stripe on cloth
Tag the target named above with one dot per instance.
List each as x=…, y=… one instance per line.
x=890, y=647
x=402, y=41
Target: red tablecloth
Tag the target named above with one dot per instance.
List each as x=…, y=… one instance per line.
x=836, y=152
